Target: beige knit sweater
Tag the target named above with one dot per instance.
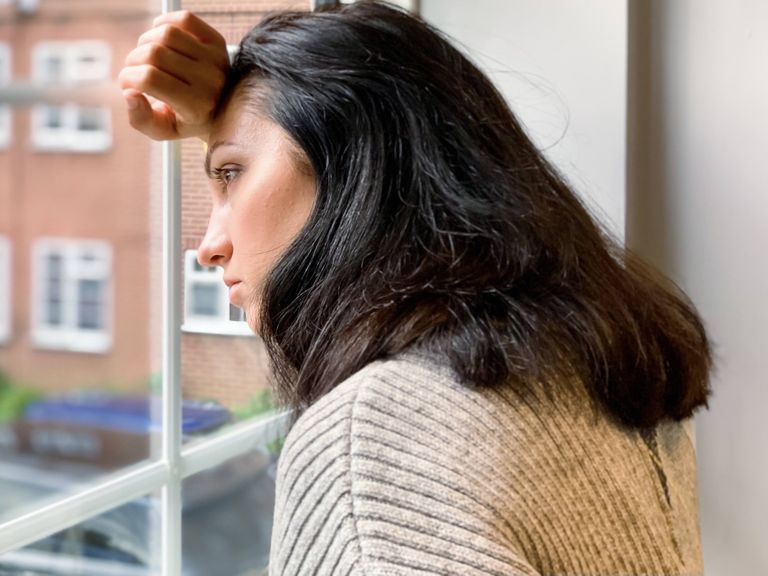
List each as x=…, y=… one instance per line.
x=401, y=470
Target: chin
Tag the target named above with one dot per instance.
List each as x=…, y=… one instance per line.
x=252, y=319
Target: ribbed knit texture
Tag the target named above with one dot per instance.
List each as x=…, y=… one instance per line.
x=401, y=470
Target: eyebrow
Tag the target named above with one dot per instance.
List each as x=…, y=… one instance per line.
x=210, y=152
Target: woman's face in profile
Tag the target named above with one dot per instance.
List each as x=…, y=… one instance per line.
x=262, y=196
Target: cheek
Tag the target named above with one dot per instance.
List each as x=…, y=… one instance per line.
x=266, y=219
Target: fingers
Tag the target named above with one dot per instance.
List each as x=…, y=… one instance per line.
x=187, y=21
x=163, y=58
x=182, y=63
x=192, y=108
x=186, y=44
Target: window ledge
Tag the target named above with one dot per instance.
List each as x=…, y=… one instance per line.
x=72, y=341
x=218, y=328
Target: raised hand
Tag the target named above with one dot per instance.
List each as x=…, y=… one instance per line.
x=173, y=78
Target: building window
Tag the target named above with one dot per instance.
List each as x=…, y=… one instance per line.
x=5, y=290
x=71, y=306
x=5, y=111
x=207, y=308
x=71, y=127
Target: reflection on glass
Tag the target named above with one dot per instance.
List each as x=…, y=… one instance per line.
x=118, y=542
x=227, y=516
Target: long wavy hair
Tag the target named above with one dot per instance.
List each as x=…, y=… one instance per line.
x=439, y=226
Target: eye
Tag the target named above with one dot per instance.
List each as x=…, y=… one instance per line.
x=225, y=175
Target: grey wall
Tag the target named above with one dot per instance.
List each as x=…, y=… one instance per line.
x=562, y=66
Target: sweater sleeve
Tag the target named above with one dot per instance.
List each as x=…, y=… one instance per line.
x=354, y=496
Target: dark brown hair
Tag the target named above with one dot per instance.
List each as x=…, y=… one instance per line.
x=438, y=225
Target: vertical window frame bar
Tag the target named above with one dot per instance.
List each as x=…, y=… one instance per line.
x=170, y=494
x=170, y=513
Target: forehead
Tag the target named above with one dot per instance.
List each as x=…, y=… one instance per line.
x=242, y=122
x=238, y=119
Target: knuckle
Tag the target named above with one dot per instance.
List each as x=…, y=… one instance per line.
x=149, y=75
x=143, y=38
x=169, y=33
x=155, y=53
x=186, y=16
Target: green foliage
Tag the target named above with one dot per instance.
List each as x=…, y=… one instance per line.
x=155, y=383
x=276, y=445
x=259, y=404
x=14, y=398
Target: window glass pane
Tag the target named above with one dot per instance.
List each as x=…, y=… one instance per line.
x=118, y=542
x=53, y=68
x=205, y=299
x=222, y=360
x=54, y=297
x=228, y=513
x=81, y=208
x=90, y=305
x=53, y=117
x=236, y=314
x=90, y=119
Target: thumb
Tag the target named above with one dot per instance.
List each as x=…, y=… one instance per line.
x=151, y=122
x=139, y=109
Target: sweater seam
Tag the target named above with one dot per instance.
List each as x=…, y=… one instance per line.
x=361, y=557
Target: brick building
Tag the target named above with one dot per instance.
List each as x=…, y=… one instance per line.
x=79, y=213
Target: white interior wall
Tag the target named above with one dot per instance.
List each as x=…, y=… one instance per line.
x=562, y=66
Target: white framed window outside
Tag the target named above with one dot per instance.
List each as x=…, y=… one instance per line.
x=60, y=263
x=71, y=307
x=71, y=127
x=5, y=289
x=5, y=111
x=207, y=308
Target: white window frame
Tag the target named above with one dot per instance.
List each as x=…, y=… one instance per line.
x=74, y=71
x=5, y=110
x=69, y=137
x=220, y=324
x=5, y=290
x=68, y=336
x=171, y=464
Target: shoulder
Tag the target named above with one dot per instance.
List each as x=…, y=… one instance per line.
x=381, y=462
x=391, y=387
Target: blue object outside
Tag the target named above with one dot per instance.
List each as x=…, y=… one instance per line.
x=124, y=413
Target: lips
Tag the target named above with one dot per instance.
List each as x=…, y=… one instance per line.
x=234, y=292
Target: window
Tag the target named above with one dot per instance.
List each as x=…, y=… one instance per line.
x=5, y=290
x=5, y=111
x=162, y=501
x=207, y=307
x=72, y=303
x=71, y=127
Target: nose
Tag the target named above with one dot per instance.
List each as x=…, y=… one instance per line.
x=216, y=247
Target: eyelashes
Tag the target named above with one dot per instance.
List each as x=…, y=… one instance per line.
x=225, y=176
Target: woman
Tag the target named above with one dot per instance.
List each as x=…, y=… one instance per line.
x=483, y=381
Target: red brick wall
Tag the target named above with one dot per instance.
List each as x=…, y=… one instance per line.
x=101, y=196
x=229, y=369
